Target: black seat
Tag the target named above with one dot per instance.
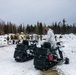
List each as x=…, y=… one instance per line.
x=25, y=42
x=46, y=45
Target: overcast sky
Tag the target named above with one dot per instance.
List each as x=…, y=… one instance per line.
x=31, y=11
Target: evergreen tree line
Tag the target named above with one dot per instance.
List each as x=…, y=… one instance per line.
x=59, y=28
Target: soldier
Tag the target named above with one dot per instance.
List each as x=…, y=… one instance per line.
x=51, y=39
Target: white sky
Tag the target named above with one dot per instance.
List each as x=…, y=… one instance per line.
x=31, y=11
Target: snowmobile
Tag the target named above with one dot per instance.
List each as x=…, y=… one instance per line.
x=24, y=51
x=45, y=57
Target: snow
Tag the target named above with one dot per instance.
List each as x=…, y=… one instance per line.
x=9, y=66
x=70, y=51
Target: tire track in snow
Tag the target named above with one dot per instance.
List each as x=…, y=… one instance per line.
x=51, y=71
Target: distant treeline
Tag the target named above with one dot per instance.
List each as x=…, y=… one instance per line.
x=59, y=28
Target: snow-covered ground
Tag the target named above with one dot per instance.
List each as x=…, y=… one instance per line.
x=69, y=42
x=8, y=66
